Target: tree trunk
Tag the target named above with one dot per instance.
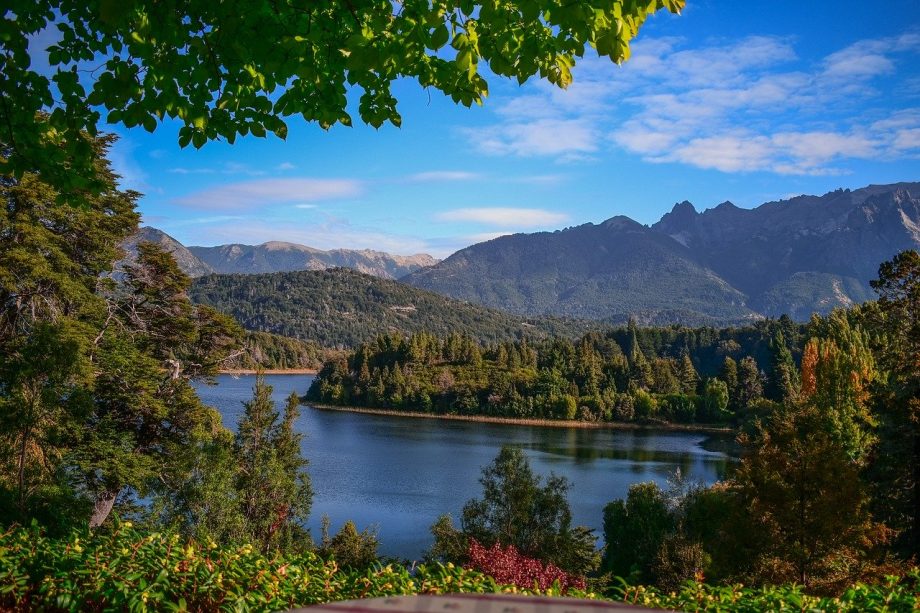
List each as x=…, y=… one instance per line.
x=102, y=507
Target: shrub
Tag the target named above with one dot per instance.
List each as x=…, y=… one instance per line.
x=130, y=570
x=507, y=565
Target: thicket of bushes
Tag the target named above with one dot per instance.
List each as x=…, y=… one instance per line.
x=126, y=569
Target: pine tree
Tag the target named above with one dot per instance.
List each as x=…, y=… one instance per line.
x=783, y=373
x=689, y=378
x=274, y=491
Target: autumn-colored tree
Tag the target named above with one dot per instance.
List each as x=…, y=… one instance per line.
x=838, y=369
x=803, y=493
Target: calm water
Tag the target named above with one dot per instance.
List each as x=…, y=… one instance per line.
x=400, y=473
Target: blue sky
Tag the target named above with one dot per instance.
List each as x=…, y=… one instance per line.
x=748, y=102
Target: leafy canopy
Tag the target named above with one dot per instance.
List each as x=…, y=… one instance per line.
x=233, y=68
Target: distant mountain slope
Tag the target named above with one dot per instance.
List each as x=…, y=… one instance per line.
x=279, y=256
x=187, y=261
x=805, y=254
x=797, y=256
x=609, y=271
x=340, y=307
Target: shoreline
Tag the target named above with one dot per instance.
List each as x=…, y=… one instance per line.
x=269, y=371
x=515, y=421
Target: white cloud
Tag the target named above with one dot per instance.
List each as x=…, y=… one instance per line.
x=504, y=216
x=323, y=233
x=260, y=193
x=552, y=137
x=304, y=206
x=742, y=105
x=443, y=175
x=286, y=166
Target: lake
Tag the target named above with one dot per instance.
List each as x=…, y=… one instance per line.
x=400, y=473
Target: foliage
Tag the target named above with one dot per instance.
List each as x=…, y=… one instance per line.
x=348, y=547
x=507, y=566
x=894, y=595
x=94, y=384
x=595, y=378
x=125, y=569
x=517, y=509
x=803, y=494
x=634, y=531
x=838, y=369
x=896, y=469
x=273, y=351
x=243, y=68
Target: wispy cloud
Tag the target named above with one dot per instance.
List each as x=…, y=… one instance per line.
x=443, y=176
x=254, y=194
x=741, y=105
x=285, y=166
x=552, y=137
x=504, y=216
x=322, y=233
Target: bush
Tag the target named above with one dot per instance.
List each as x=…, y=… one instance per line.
x=507, y=565
x=896, y=594
x=130, y=570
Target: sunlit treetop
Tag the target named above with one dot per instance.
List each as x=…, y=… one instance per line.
x=226, y=68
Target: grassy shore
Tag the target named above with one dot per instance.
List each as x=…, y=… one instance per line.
x=270, y=371
x=549, y=423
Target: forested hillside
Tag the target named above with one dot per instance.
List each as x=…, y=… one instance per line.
x=343, y=308
x=273, y=351
x=678, y=375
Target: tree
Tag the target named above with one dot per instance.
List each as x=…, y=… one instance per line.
x=518, y=509
x=897, y=466
x=803, y=493
x=783, y=373
x=634, y=530
x=51, y=314
x=715, y=401
x=274, y=489
x=838, y=370
x=750, y=383
x=350, y=548
x=240, y=67
x=689, y=378
x=94, y=384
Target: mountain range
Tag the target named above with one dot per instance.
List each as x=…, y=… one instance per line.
x=723, y=265
x=720, y=266
x=276, y=256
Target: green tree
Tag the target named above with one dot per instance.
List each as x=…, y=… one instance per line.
x=783, y=383
x=634, y=530
x=750, y=383
x=715, y=401
x=94, y=385
x=350, y=548
x=243, y=67
x=517, y=509
x=897, y=465
x=274, y=489
x=838, y=370
x=689, y=378
x=729, y=374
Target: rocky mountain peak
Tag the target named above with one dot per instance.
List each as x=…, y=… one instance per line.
x=622, y=222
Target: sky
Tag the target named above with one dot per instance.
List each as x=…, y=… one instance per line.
x=744, y=101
